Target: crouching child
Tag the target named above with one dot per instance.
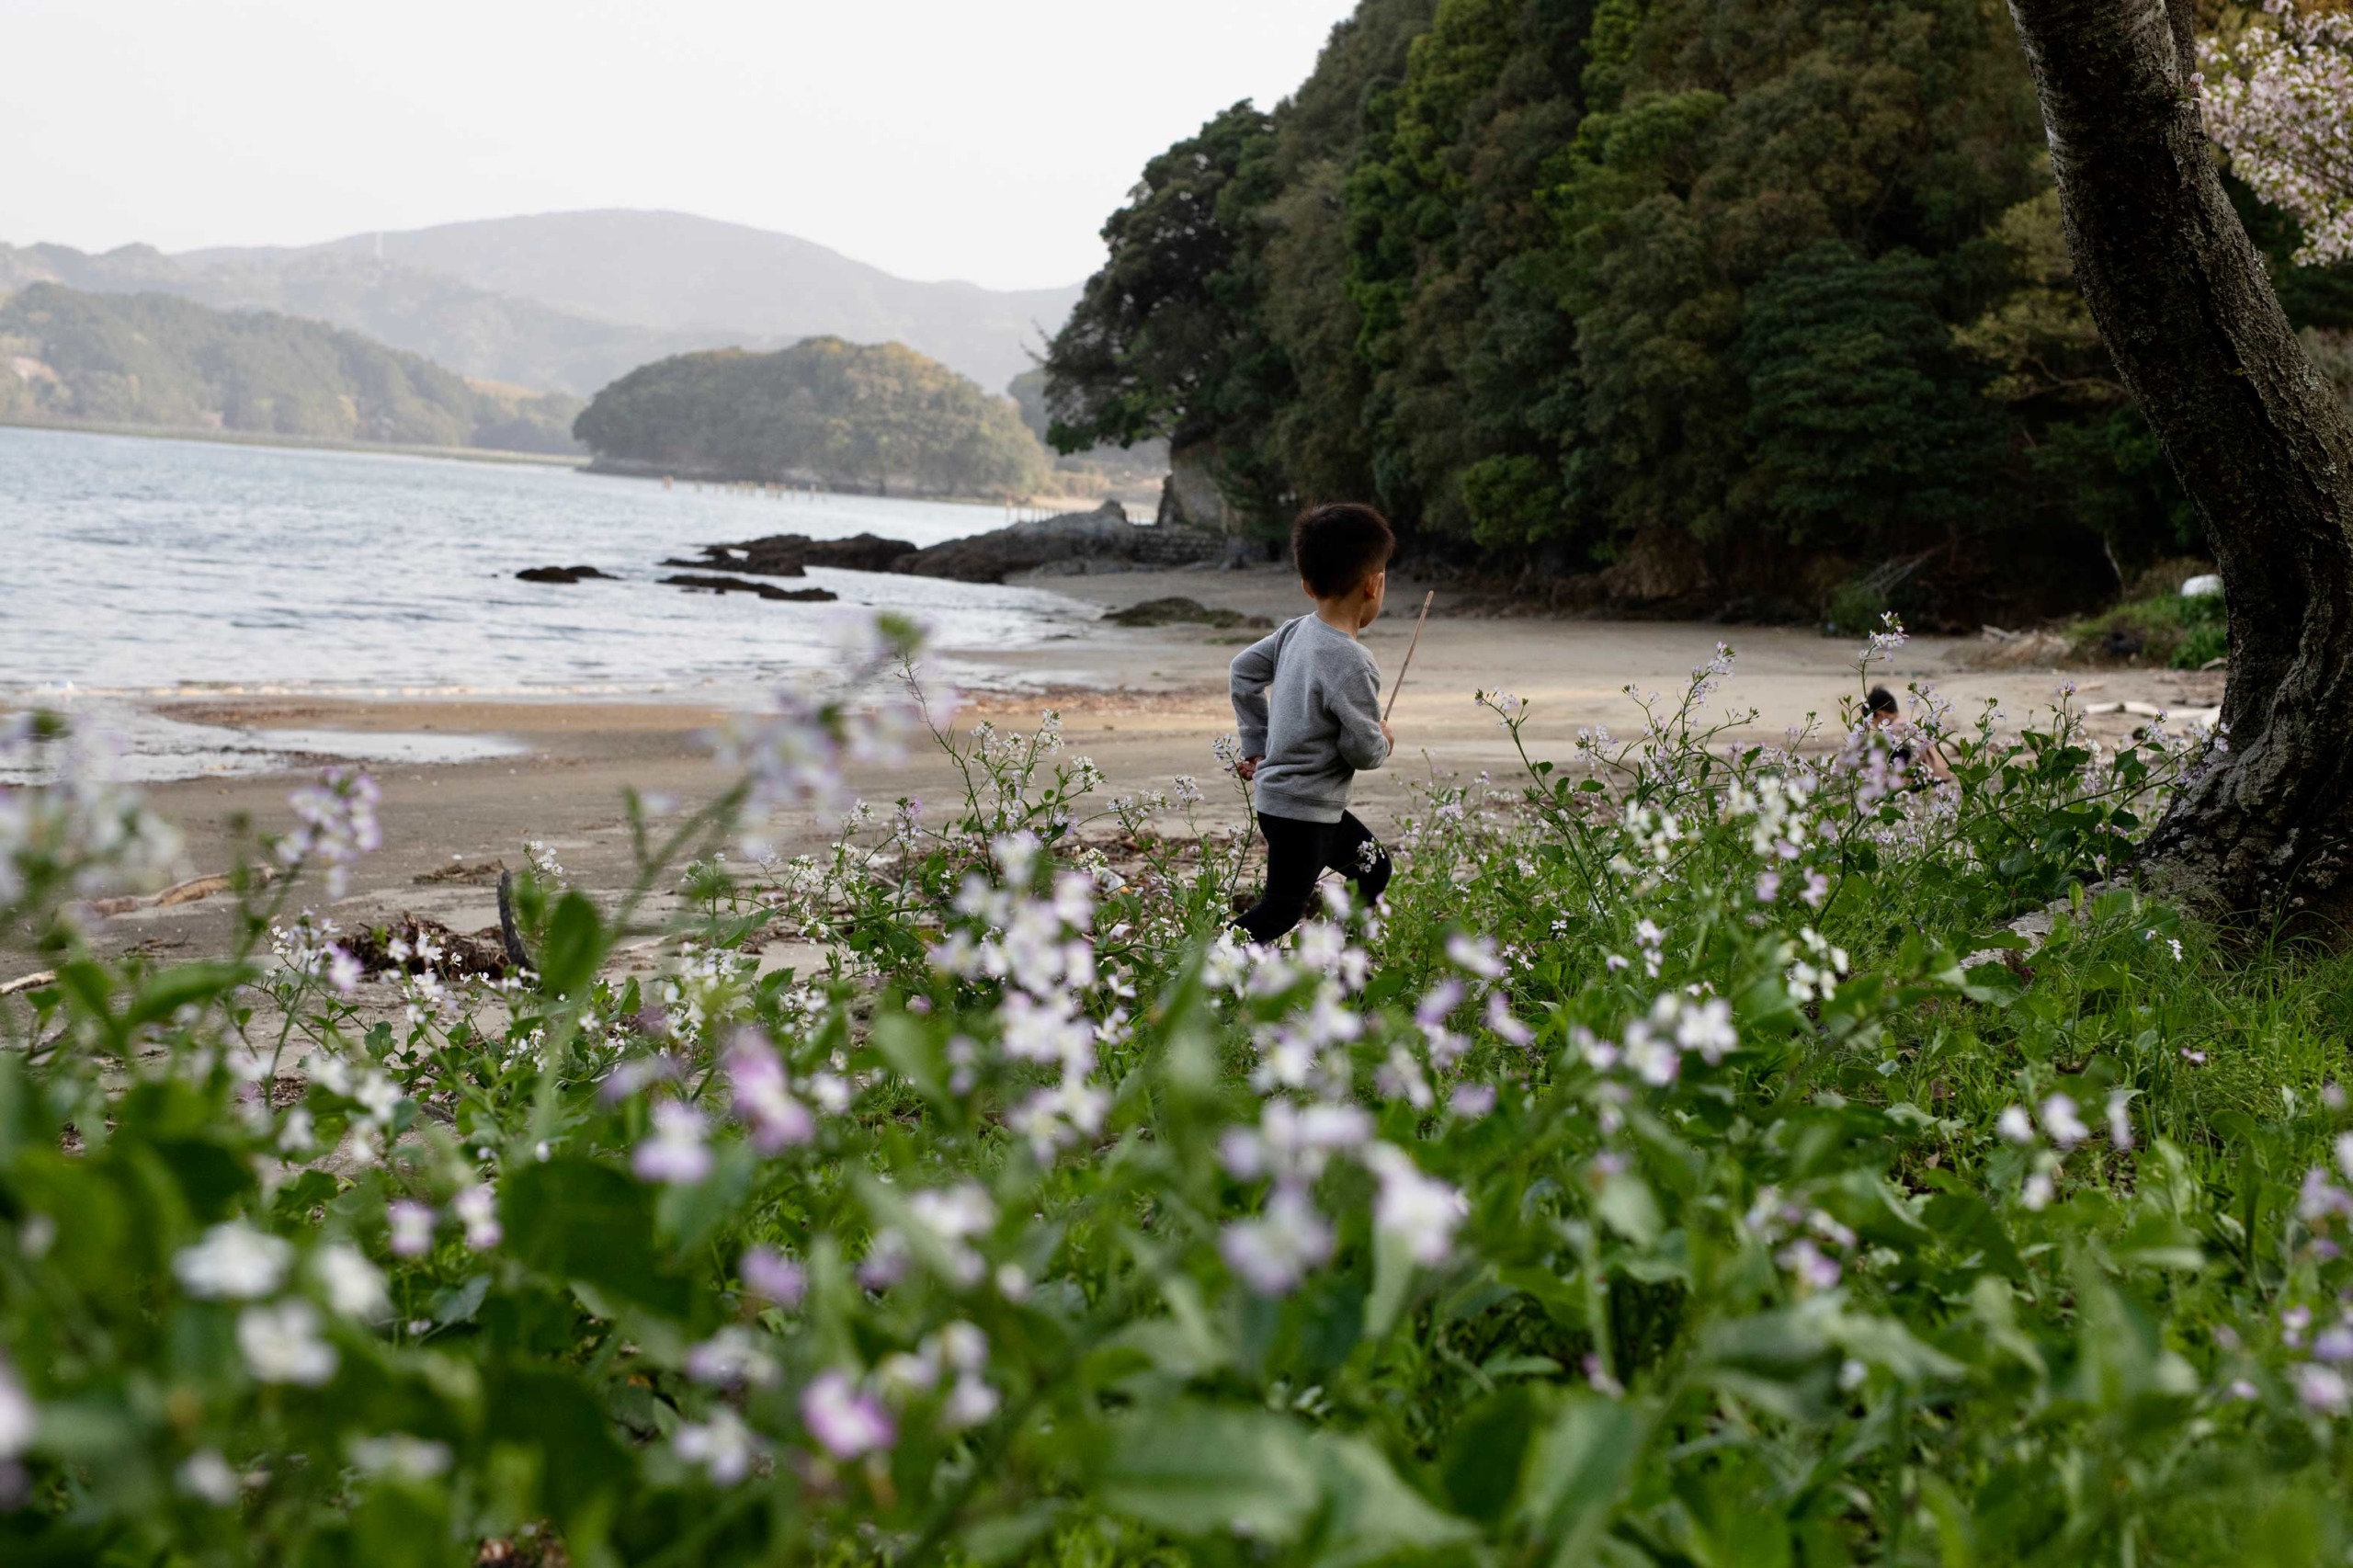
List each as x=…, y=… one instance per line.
x=1307, y=701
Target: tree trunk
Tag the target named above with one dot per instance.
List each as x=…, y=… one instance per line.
x=2261, y=444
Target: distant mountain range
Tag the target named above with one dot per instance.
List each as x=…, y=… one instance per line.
x=572, y=301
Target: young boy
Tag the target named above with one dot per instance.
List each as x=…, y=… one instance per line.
x=1307, y=700
x=1879, y=708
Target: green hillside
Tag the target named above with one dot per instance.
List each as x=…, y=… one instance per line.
x=880, y=418
x=1775, y=293
x=150, y=360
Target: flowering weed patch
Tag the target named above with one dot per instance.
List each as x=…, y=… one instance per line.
x=1685, y=1165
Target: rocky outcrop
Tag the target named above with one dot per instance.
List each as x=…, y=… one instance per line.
x=564, y=575
x=1075, y=544
x=1189, y=496
x=741, y=585
x=790, y=555
x=860, y=552
x=1186, y=612
x=766, y=565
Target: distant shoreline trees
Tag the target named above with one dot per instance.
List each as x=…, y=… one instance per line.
x=1562, y=282
x=167, y=363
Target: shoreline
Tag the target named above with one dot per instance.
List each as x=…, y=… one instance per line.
x=292, y=443
x=1048, y=502
x=1144, y=703
x=1573, y=672
x=580, y=462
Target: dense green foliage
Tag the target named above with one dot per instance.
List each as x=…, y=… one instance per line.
x=154, y=361
x=2168, y=630
x=882, y=418
x=1136, y=466
x=1542, y=275
x=1654, y=1181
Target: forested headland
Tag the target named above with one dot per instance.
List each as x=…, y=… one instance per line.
x=152, y=361
x=882, y=418
x=1720, y=303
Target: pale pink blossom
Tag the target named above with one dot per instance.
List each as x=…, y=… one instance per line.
x=846, y=1421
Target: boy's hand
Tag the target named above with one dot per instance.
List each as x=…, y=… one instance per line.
x=1388, y=734
x=1246, y=770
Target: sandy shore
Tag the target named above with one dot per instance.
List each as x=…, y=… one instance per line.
x=1144, y=703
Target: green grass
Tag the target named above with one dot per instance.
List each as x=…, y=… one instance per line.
x=2166, y=629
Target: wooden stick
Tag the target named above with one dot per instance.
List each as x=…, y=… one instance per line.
x=1396, y=690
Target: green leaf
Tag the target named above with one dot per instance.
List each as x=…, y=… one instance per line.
x=1201, y=1470
x=688, y=1212
x=576, y=946
x=565, y=1448
x=1574, y=1473
x=1966, y=1225
x=579, y=1220
x=992, y=1541
x=1487, y=1448
x=1183, y=1346
x=1392, y=1277
x=1994, y=984
x=913, y=1054
x=460, y=1303
x=1369, y=1513
x=1781, y=1362
x=2106, y=977
x=183, y=985
x=1884, y=1343
x=86, y=1431
x=211, y=1177
x=1627, y=1207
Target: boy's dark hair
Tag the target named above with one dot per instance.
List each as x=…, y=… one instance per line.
x=1880, y=700
x=1339, y=545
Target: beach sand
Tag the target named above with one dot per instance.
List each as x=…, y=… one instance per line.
x=1145, y=704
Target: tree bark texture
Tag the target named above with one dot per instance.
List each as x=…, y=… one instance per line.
x=2261, y=444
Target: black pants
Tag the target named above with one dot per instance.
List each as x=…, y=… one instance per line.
x=1298, y=854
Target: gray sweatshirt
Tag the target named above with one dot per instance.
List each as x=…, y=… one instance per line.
x=1307, y=699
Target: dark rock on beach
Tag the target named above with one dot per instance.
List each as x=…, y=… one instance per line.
x=716, y=555
x=732, y=558
x=861, y=553
x=565, y=575
x=738, y=586
x=1186, y=612
x=403, y=948
x=790, y=555
x=1074, y=543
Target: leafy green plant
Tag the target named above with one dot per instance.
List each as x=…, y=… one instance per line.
x=2169, y=629
x=1685, y=1163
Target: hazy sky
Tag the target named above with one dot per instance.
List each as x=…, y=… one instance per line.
x=978, y=139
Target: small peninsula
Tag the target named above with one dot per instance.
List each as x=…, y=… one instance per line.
x=881, y=419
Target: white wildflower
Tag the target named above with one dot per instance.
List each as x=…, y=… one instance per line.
x=1274, y=1252
x=208, y=1477
x=723, y=1447
x=1419, y=1211
x=233, y=1262
x=354, y=1287
x=281, y=1344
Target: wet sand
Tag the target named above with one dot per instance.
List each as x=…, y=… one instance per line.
x=1144, y=703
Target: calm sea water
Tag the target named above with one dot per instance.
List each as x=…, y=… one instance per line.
x=152, y=566
x=140, y=568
